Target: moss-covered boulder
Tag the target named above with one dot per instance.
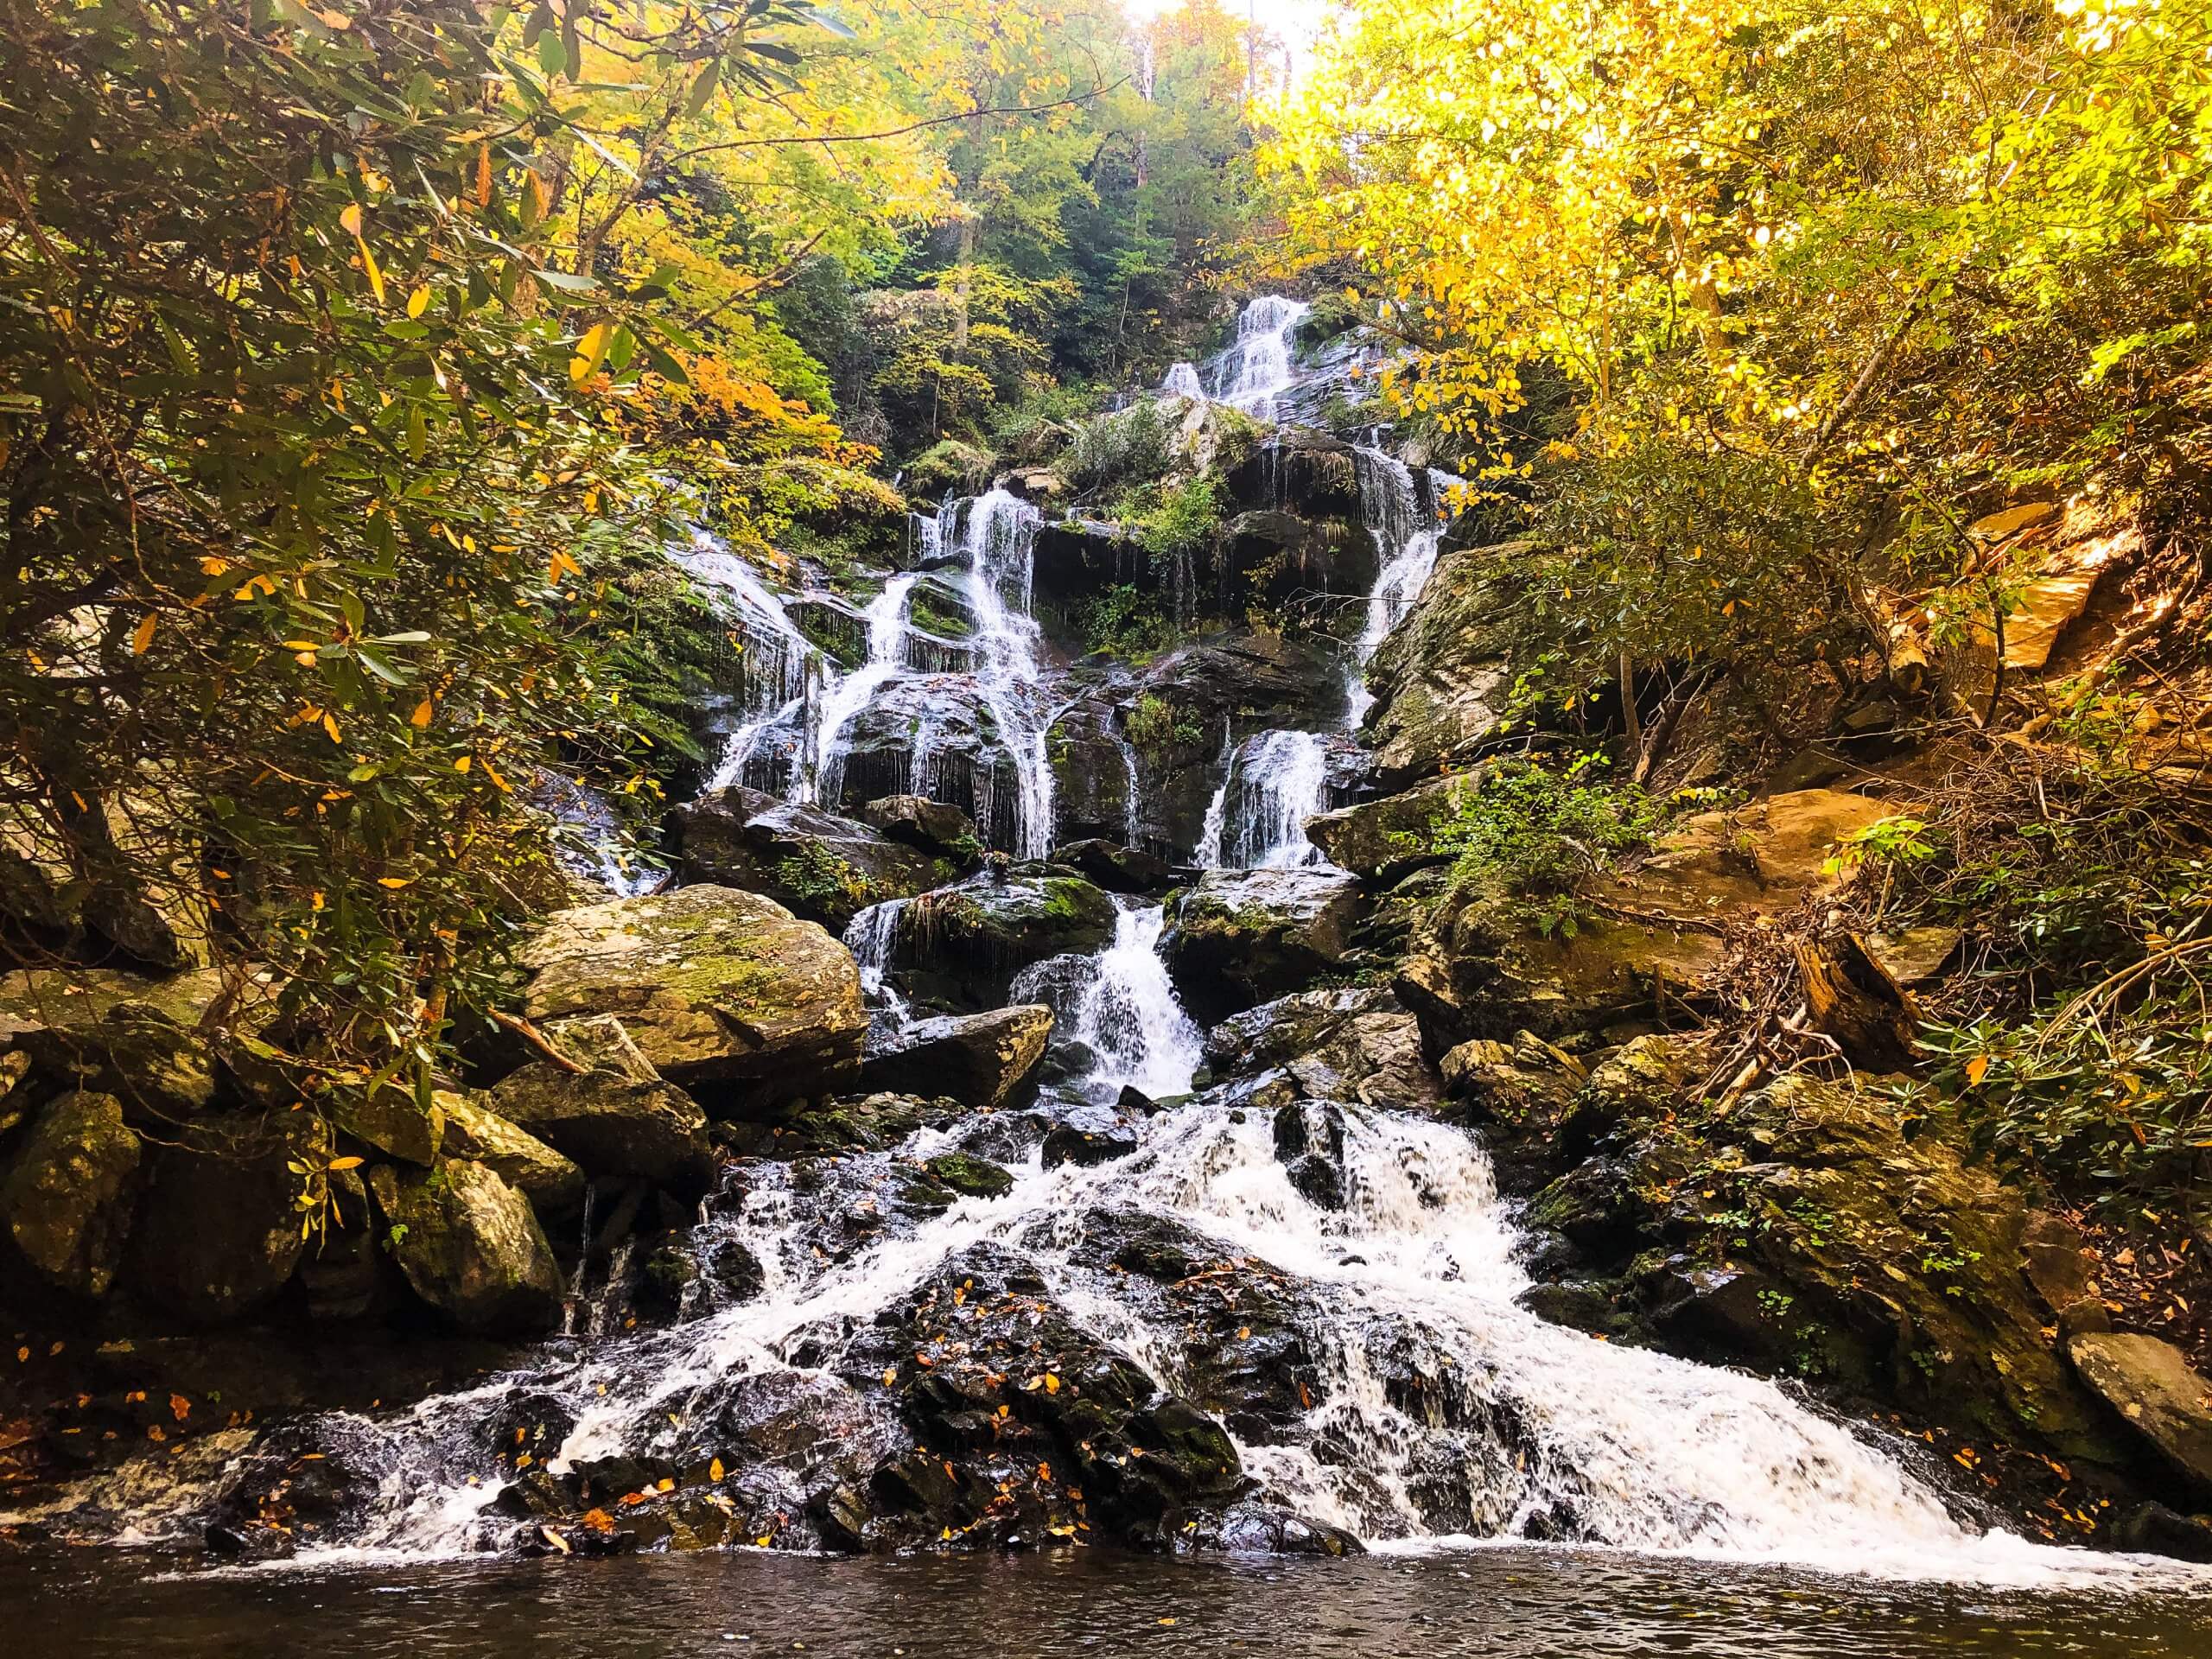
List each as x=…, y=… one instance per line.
x=977, y=1058
x=616, y=1116
x=724, y=993
x=471, y=1247
x=815, y=864
x=933, y=827
x=1349, y=1044
x=969, y=1176
x=970, y=938
x=67, y=1200
x=553, y=1184
x=2155, y=1390
x=218, y=1234
x=115, y=1033
x=1241, y=937
x=1444, y=678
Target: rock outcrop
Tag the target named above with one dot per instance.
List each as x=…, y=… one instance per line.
x=1241, y=937
x=977, y=1058
x=971, y=939
x=67, y=1199
x=471, y=1247
x=617, y=1116
x=815, y=864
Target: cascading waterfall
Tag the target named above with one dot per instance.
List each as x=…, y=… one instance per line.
x=779, y=668
x=871, y=936
x=843, y=700
x=1182, y=381
x=1406, y=529
x=1121, y=1007
x=1275, y=782
x=1002, y=527
x=1257, y=365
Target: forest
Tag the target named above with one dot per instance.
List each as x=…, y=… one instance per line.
x=1109, y=785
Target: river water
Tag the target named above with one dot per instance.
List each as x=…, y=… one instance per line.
x=1500, y=1603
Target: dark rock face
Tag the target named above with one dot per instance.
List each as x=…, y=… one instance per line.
x=1221, y=689
x=1387, y=840
x=815, y=864
x=1090, y=1134
x=931, y=735
x=1241, y=937
x=1442, y=679
x=2153, y=1388
x=1115, y=867
x=977, y=1058
x=218, y=1234
x=972, y=938
x=1094, y=770
x=720, y=989
x=931, y=827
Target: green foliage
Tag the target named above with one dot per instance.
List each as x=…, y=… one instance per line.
x=1154, y=724
x=816, y=876
x=1125, y=621
x=1185, y=523
x=1534, y=835
x=1123, y=447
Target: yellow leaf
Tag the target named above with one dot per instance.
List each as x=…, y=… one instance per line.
x=421, y=717
x=462, y=765
x=591, y=351
x=419, y=300
x=715, y=1470
x=351, y=219
x=144, y=635
x=393, y=881
x=376, y=277
x=1977, y=1069
x=330, y=725
x=345, y=1163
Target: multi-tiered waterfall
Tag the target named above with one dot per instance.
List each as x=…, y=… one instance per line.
x=1440, y=1410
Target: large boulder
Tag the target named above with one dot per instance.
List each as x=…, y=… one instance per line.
x=471, y=1247
x=815, y=864
x=615, y=1116
x=722, y=991
x=2153, y=1386
x=931, y=827
x=1113, y=866
x=1385, y=841
x=977, y=1058
x=1241, y=937
x=553, y=1184
x=67, y=1200
x=218, y=1234
x=1443, y=680
x=969, y=939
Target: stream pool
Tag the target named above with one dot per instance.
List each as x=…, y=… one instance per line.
x=1500, y=1604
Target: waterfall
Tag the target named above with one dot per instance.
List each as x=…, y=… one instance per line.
x=1406, y=529
x=844, y=698
x=1121, y=1006
x=779, y=669
x=871, y=936
x=1001, y=528
x=1257, y=365
x=1182, y=381
x=1275, y=780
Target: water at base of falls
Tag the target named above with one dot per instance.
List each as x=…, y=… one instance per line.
x=1122, y=1008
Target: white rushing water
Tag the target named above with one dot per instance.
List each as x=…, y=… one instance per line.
x=1405, y=1293
x=1406, y=531
x=842, y=700
x=1001, y=531
x=1182, y=380
x=780, y=669
x=1120, y=1005
x=1275, y=780
x=871, y=936
x=1257, y=365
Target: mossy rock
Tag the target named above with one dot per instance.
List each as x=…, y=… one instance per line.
x=970, y=1177
x=471, y=1247
x=67, y=1199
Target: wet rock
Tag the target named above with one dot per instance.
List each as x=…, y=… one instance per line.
x=931, y=827
x=977, y=1058
x=1578, y=1304
x=1338, y=1044
x=388, y=1120
x=1527, y=1099
x=2153, y=1388
x=969, y=1176
x=2153, y=1528
x=1593, y=1205
x=1259, y=1529
x=1301, y=471
x=1309, y=1142
x=554, y=1184
x=1089, y=1134
x=67, y=1199
x=1241, y=937
x=1443, y=678
x=617, y=1118
x=869, y=1122
x=1725, y=1313
x=1093, y=770
x=1386, y=840
x=726, y=993
x=218, y=1235
x=973, y=936
x=471, y=1247
x=1115, y=867
x=815, y=864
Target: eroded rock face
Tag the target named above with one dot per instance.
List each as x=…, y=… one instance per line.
x=930, y=826
x=471, y=1247
x=724, y=992
x=2153, y=1386
x=1241, y=937
x=1338, y=1044
x=815, y=864
x=553, y=1184
x=1387, y=840
x=67, y=1199
x=977, y=1058
x=115, y=1033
